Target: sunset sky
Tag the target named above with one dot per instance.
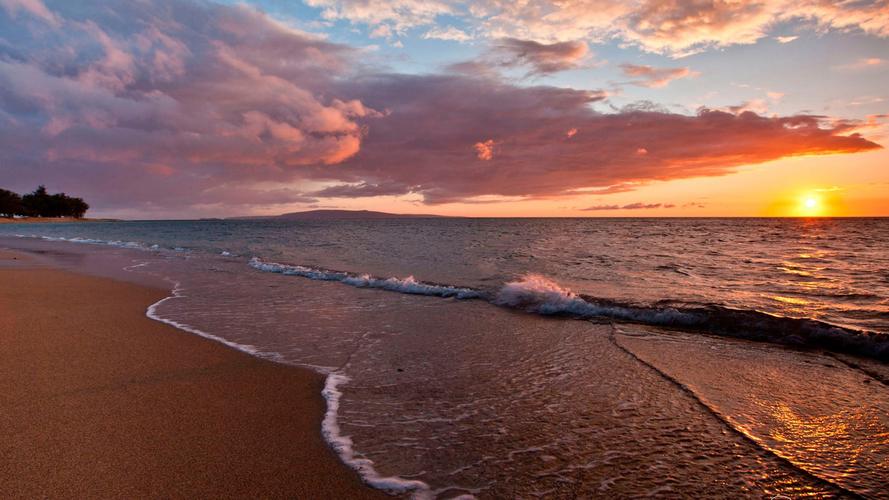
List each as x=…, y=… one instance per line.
x=190, y=108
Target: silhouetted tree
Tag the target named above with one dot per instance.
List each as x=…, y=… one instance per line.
x=10, y=204
x=42, y=204
x=36, y=204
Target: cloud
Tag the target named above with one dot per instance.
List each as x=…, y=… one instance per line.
x=192, y=90
x=864, y=63
x=786, y=39
x=541, y=58
x=754, y=105
x=360, y=190
x=631, y=206
x=437, y=127
x=485, y=150
x=535, y=58
x=649, y=76
x=673, y=27
x=447, y=33
x=179, y=107
x=398, y=15
x=35, y=8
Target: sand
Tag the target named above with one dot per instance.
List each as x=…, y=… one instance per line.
x=98, y=401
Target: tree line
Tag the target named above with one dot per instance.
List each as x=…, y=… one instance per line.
x=41, y=204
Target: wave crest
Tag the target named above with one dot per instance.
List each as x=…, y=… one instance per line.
x=537, y=294
x=409, y=285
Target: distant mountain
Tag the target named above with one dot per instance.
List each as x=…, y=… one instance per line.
x=338, y=215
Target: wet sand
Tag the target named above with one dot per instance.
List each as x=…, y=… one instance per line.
x=97, y=400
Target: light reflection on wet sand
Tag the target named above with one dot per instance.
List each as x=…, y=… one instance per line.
x=823, y=416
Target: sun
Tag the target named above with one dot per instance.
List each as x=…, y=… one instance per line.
x=811, y=205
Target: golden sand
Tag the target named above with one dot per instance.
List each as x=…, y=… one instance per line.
x=97, y=400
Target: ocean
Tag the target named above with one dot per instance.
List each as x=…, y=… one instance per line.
x=555, y=358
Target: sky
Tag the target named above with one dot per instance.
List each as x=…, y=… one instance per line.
x=577, y=108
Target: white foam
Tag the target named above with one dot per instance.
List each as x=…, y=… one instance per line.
x=536, y=293
x=330, y=428
x=133, y=245
x=151, y=312
x=409, y=285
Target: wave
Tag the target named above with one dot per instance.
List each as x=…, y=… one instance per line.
x=330, y=428
x=130, y=245
x=343, y=446
x=133, y=245
x=537, y=294
x=176, y=293
x=409, y=285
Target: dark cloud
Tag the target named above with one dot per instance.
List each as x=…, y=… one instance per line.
x=541, y=58
x=428, y=141
x=534, y=58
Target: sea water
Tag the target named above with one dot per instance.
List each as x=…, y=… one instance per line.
x=549, y=357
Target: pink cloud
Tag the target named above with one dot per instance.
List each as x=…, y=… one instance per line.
x=485, y=150
x=630, y=206
x=421, y=143
x=864, y=63
x=649, y=76
x=194, y=105
x=674, y=27
x=35, y=8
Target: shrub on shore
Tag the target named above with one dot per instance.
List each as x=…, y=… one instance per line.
x=41, y=204
x=10, y=204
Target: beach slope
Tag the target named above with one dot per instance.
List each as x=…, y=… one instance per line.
x=97, y=400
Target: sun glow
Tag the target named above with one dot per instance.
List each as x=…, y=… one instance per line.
x=811, y=205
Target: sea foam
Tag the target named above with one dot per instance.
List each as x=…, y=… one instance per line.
x=541, y=295
x=330, y=428
x=409, y=285
x=177, y=293
x=536, y=293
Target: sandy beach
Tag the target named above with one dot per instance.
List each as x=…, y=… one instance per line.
x=98, y=401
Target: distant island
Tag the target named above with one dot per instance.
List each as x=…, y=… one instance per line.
x=337, y=215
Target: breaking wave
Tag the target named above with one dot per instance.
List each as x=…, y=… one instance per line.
x=537, y=294
x=408, y=285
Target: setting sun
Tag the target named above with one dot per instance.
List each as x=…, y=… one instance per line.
x=812, y=205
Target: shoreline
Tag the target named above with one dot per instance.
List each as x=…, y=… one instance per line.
x=52, y=220
x=100, y=400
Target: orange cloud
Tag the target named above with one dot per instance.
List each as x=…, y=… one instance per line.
x=674, y=27
x=649, y=76
x=485, y=150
